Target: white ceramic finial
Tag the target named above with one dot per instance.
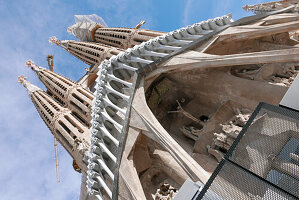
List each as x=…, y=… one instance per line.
x=54, y=39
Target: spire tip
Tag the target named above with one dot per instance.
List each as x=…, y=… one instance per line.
x=29, y=87
x=32, y=65
x=21, y=79
x=29, y=63
x=54, y=39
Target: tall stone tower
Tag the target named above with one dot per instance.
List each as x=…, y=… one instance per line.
x=66, y=127
x=66, y=92
x=66, y=105
x=122, y=38
x=100, y=43
x=168, y=106
x=89, y=52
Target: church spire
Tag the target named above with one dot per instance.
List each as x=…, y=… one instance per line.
x=29, y=87
x=122, y=38
x=66, y=91
x=88, y=52
x=64, y=125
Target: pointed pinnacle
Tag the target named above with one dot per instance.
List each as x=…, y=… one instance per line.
x=32, y=65
x=21, y=79
x=54, y=39
x=29, y=87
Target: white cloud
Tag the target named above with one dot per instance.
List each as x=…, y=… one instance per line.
x=186, y=12
x=26, y=144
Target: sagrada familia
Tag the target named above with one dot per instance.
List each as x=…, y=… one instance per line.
x=156, y=109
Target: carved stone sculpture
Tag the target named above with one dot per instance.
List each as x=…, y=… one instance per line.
x=169, y=108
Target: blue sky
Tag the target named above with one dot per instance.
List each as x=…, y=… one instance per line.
x=27, y=164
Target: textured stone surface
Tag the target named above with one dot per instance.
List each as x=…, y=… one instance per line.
x=181, y=116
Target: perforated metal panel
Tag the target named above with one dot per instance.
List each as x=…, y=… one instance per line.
x=263, y=162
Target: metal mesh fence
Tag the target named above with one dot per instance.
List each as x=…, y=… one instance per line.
x=263, y=162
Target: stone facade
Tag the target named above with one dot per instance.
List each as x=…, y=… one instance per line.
x=271, y=6
x=89, y=52
x=169, y=108
x=66, y=92
x=71, y=133
x=124, y=38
